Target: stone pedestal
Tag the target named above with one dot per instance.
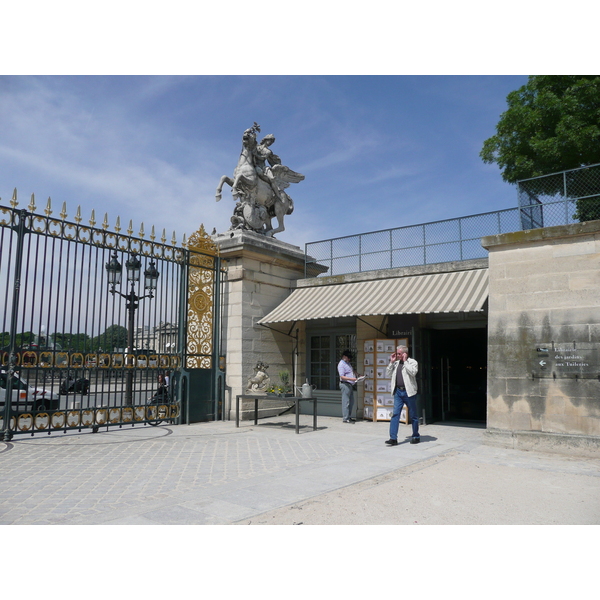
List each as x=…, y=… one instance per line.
x=261, y=272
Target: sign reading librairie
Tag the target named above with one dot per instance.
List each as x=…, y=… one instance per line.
x=554, y=359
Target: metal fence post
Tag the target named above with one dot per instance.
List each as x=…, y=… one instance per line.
x=20, y=230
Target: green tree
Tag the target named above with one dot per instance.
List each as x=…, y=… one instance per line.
x=552, y=124
x=76, y=342
x=114, y=337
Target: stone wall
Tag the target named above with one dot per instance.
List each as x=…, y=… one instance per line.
x=260, y=274
x=544, y=336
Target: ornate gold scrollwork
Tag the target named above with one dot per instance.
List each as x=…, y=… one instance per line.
x=84, y=234
x=146, y=248
x=6, y=211
x=98, y=238
x=87, y=417
x=46, y=359
x=58, y=420
x=136, y=246
x=100, y=416
x=54, y=228
x=30, y=358
x=41, y=421
x=200, y=299
x=77, y=359
x=38, y=224
x=109, y=240
x=73, y=418
x=25, y=422
x=70, y=231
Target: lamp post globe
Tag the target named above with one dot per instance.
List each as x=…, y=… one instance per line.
x=133, y=266
x=113, y=271
x=151, y=276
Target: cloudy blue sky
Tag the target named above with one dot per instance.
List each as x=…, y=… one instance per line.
x=137, y=111
x=376, y=151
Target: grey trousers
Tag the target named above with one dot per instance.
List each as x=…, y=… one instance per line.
x=347, y=400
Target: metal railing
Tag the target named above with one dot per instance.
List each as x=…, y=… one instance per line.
x=560, y=198
x=556, y=199
x=435, y=242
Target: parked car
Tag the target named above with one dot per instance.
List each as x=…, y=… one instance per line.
x=77, y=386
x=26, y=398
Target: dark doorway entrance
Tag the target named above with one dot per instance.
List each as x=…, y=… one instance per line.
x=459, y=374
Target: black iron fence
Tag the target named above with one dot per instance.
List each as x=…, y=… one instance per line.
x=92, y=323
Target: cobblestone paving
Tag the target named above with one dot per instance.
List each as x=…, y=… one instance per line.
x=71, y=477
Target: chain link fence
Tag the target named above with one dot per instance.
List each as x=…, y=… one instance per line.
x=560, y=198
x=557, y=199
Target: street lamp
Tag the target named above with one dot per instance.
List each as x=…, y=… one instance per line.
x=133, y=266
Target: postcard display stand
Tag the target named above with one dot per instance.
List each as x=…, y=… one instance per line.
x=379, y=402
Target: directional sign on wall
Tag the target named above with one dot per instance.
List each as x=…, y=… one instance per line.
x=554, y=359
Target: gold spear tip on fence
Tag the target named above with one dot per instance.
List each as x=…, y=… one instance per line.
x=163, y=239
x=142, y=234
x=130, y=228
x=32, y=205
x=14, y=202
x=105, y=223
x=78, y=215
x=63, y=213
x=174, y=240
x=118, y=225
x=93, y=218
x=48, y=209
x=152, y=234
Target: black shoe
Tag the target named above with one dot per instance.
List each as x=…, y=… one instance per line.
x=392, y=442
x=352, y=420
x=344, y=421
x=415, y=440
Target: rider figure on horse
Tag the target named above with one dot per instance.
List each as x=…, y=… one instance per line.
x=263, y=155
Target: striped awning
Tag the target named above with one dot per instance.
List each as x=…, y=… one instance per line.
x=458, y=291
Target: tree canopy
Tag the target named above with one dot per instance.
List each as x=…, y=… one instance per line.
x=115, y=336
x=552, y=124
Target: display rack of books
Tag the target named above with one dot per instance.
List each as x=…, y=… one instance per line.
x=378, y=399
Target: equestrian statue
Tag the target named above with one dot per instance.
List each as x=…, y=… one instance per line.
x=258, y=186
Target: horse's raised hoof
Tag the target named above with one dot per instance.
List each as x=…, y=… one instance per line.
x=218, y=197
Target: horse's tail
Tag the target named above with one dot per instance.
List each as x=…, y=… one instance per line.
x=290, y=209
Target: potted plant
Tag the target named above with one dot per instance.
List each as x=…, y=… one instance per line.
x=282, y=389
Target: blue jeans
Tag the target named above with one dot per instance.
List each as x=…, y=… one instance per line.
x=400, y=399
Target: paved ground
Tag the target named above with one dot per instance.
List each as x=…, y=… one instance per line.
x=214, y=473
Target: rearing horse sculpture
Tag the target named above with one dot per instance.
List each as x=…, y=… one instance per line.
x=259, y=199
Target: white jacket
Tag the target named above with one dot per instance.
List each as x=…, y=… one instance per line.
x=411, y=368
